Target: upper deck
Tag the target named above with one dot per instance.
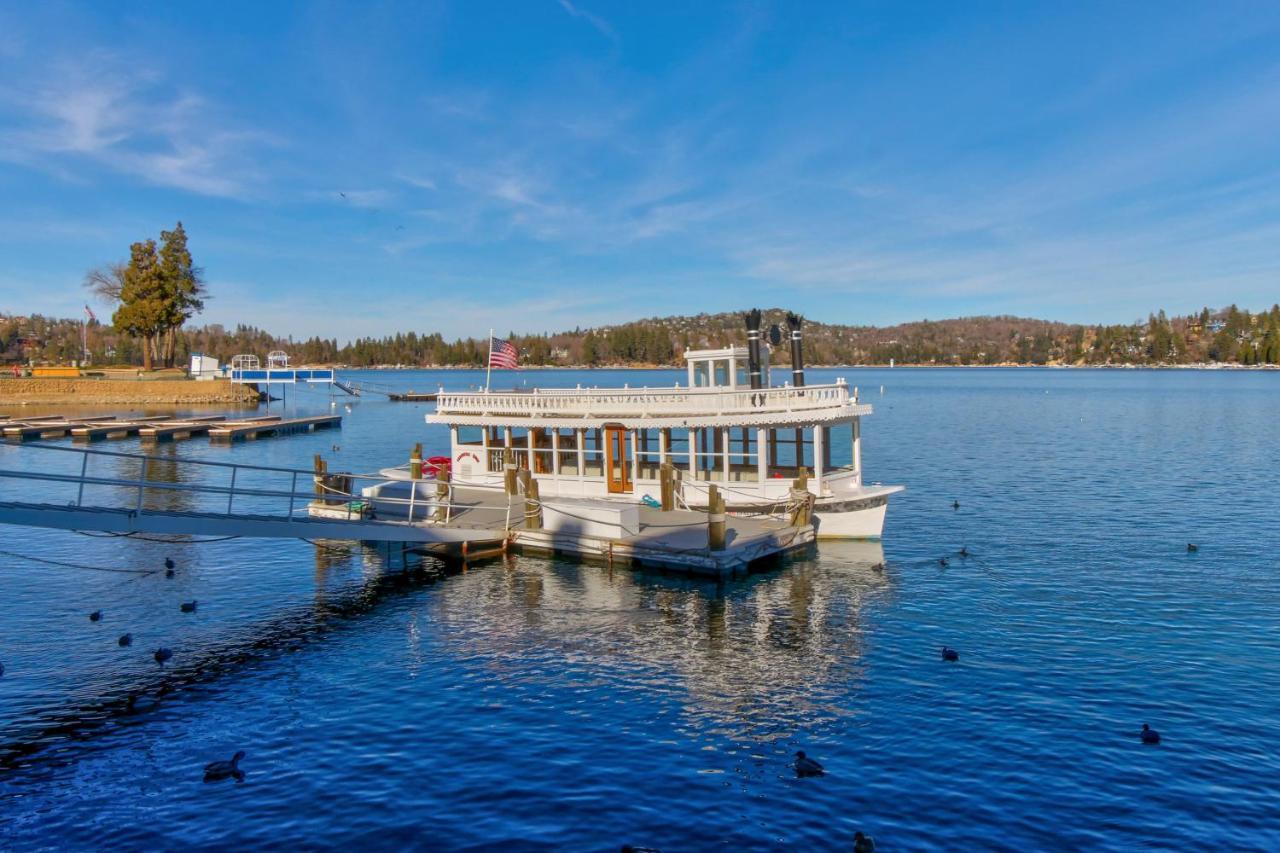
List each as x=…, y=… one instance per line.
x=653, y=407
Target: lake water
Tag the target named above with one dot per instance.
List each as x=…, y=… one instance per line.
x=541, y=704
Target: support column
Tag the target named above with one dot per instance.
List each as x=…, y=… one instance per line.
x=484, y=447
x=582, y=455
x=762, y=471
x=725, y=435
x=530, y=463
x=857, y=450
x=818, y=458
x=693, y=454
x=635, y=458
x=664, y=445
x=555, y=453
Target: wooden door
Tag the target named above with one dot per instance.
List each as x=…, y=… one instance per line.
x=617, y=467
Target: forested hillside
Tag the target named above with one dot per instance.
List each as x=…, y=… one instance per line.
x=1231, y=335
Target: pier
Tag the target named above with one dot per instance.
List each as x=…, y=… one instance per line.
x=153, y=429
x=137, y=494
x=256, y=428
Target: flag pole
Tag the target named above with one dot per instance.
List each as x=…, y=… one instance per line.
x=488, y=363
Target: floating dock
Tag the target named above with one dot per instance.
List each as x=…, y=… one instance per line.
x=113, y=428
x=179, y=430
x=154, y=429
x=53, y=426
x=256, y=428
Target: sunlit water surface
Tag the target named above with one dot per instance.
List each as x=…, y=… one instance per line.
x=544, y=704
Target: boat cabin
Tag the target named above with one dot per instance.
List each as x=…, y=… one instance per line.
x=611, y=441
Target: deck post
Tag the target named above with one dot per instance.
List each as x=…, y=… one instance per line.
x=715, y=519
x=415, y=462
x=819, y=454
x=664, y=444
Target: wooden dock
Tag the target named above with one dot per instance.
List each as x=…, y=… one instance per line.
x=670, y=540
x=112, y=428
x=52, y=426
x=414, y=397
x=179, y=430
x=153, y=429
x=255, y=428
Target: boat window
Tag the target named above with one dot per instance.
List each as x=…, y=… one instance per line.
x=701, y=374
x=722, y=373
x=470, y=435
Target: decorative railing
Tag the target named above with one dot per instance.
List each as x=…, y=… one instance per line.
x=645, y=402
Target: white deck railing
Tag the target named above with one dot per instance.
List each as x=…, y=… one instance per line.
x=640, y=402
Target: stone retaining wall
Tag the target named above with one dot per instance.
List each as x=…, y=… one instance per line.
x=18, y=392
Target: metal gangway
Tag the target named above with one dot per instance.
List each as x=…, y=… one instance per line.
x=70, y=488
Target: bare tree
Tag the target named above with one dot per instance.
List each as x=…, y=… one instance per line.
x=106, y=282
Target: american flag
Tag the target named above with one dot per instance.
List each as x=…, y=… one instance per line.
x=502, y=354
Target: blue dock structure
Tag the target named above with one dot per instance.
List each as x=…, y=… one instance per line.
x=248, y=370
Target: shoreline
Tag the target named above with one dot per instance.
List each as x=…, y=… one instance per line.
x=382, y=368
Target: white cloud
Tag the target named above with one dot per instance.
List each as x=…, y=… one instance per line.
x=602, y=26
x=104, y=112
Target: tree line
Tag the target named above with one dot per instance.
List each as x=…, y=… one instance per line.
x=1231, y=335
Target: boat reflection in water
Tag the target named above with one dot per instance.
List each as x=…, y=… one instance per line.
x=753, y=658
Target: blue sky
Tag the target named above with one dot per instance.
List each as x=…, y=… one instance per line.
x=361, y=169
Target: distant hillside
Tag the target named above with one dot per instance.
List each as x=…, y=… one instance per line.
x=1230, y=335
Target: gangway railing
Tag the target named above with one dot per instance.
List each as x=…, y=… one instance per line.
x=223, y=489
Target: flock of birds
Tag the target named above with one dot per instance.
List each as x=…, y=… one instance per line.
x=215, y=771
x=805, y=767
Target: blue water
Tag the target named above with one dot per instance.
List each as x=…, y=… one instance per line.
x=541, y=704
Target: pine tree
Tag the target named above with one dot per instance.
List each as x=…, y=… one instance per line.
x=143, y=311
x=183, y=282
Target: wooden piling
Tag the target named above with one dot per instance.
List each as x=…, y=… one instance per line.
x=320, y=468
x=666, y=478
x=442, y=493
x=532, y=507
x=415, y=462
x=509, y=471
x=716, y=523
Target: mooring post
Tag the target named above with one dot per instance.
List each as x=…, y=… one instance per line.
x=668, y=488
x=415, y=462
x=319, y=468
x=715, y=519
x=532, y=507
x=442, y=494
x=509, y=471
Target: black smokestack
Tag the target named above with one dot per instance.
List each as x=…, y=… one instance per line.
x=753, y=347
x=797, y=350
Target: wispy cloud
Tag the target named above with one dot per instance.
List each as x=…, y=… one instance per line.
x=102, y=111
x=601, y=25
